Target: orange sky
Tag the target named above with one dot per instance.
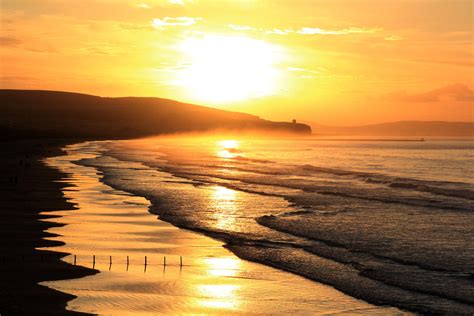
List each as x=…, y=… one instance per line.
x=337, y=62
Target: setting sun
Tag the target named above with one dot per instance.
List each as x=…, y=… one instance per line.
x=229, y=68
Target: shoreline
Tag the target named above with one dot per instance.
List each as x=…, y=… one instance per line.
x=375, y=291
x=28, y=188
x=213, y=279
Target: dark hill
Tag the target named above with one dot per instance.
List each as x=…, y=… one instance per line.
x=24, y=113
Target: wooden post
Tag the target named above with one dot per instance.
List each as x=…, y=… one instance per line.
x=128, y=261
x=164, y=260
x=93, y=260
x=74, y=259
x=110, y=260
x=145, y=260
x=180, y=261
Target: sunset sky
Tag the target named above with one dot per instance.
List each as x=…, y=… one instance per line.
x=338, y=62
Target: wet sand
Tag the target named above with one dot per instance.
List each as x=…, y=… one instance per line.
x=28, y=188
x=212, y=280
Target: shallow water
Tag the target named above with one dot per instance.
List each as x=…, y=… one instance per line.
x=389, y=222
x=112, y=222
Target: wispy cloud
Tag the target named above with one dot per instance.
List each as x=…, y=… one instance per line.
x=463, y=62
x=143, y=6
x=350, y=30
x=166, y=67
x=457, y=92
x=393, y=38
x=305, y=73
x=179, y=21
x=179, y=2
x=280, y=32
x=9, y=41
x=319, y=70
x=238, y=27
x=311, y=31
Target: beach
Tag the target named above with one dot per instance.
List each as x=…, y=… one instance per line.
x=29, y=188
x=135, y=227
x=112, y=224
x=350, y=214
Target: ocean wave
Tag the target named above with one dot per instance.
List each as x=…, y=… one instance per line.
x=401, y=269
x=329, y=233
x=312, y=187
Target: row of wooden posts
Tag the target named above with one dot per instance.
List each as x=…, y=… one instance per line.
x=128, y=260
x=145, y=262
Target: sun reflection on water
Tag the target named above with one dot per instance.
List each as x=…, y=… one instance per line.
x=224, y=203
x=225, y=267
x=227, y=148
x=219, y=295
x=222, y=294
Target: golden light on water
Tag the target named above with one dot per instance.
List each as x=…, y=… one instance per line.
x=229, y=68
x=224, y=203
x=229, y=143
x=227, y=148
x=219, y=296
x=222, y=266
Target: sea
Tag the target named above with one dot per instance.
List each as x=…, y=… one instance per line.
x=388, y=221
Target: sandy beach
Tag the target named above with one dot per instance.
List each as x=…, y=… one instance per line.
x=29, y=188
x=112, y=223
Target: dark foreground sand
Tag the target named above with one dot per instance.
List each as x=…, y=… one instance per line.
x=28, y=188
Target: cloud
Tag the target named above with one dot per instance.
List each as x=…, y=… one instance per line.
x=179, y=2
x=280, y=32
x=304, y=73
x=313, y=31
x=15, y=78
x=179, y=21
x=317, y=71
x=143, y=6
x=165, y=67
x=237, y=27
x=457, y=92
x=320, y=31
x=393, y=38
x=9, y=41
x=351, y=30
x=467, y=62
x=134, y=26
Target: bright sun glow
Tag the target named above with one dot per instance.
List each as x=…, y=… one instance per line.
x=227, y=148
x=229, y=68
x=222, y=266
x=228, y=143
